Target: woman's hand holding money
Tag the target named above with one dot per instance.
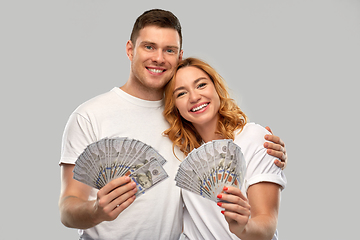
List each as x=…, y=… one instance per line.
x=264, y=200
x=114, y=197
x=237, y=208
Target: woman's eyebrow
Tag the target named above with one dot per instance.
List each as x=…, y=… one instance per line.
x=200, y=78
x=195, y=82
x=178, y=89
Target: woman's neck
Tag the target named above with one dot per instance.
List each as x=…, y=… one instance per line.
x=207, y=132
x=211, y=137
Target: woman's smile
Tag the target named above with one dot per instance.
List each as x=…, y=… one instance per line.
x=196, y=97
x=200, y=107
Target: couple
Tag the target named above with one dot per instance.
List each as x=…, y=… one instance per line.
x=136, y=110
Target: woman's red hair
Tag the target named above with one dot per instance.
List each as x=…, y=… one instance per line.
x=181, y=132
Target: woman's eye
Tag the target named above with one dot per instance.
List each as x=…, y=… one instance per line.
x=201, y=85
x=180, y=94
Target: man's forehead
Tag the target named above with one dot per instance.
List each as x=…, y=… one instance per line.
x=160, y=36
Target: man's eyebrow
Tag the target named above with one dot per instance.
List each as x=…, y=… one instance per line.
x=154, y=44
x=175, y=47
x=147, y=43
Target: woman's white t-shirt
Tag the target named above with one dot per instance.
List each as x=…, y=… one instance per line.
x=202, y=217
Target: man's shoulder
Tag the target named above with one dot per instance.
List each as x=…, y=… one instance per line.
x=96, y=102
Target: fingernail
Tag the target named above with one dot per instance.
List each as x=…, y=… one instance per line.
x=225, y=188
x=219, y=204
x=219, y=196
x=222, y=212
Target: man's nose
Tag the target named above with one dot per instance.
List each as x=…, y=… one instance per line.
x=158, y=56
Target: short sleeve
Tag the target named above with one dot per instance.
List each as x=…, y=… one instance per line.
x=260, y=165
x=78, y=134
x=262, y=169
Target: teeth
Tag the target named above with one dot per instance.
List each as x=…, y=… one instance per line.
x=155, y=70
x=199, y=107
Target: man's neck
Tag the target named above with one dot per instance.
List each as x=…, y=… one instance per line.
x=143, y=92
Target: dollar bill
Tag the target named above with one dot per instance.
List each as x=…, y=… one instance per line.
x=207, y=169
x=110, y=158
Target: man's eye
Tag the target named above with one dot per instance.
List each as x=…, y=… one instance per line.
x=148, y=47
x=170, y=51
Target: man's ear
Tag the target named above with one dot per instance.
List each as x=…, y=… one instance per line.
x=130, y=50
x=181, y=55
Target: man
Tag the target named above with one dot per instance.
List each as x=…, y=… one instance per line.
x=134, y=111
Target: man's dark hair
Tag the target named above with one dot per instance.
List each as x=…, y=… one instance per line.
x=156, y=17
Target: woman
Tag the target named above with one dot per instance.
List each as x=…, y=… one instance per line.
x=199, y=109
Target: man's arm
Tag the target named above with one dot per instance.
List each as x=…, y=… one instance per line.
x=78, y=212
x=276, y=148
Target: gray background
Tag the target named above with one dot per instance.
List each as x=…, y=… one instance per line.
x=292, y=65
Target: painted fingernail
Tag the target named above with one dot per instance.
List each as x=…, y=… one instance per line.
x=219, y=196
x=222, y=212
x=219, y=204
x=225, y=188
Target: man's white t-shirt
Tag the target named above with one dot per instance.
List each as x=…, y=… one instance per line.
x=202, y=217
x=157, y=214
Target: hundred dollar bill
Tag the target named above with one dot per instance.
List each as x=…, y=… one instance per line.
x=148, y=176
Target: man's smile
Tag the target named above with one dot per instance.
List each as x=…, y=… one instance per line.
x=155, y=70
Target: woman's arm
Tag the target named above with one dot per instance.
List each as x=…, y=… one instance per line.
x=262, y=205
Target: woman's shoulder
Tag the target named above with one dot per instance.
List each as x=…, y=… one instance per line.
x=251, y=133
x=253, y=129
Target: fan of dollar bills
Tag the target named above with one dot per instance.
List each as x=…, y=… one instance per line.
x=110, y=158
x=207, y=169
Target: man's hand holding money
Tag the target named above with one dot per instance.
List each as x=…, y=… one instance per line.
x=114, y=198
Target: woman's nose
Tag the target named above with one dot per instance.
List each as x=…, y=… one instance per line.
x=194, y=97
